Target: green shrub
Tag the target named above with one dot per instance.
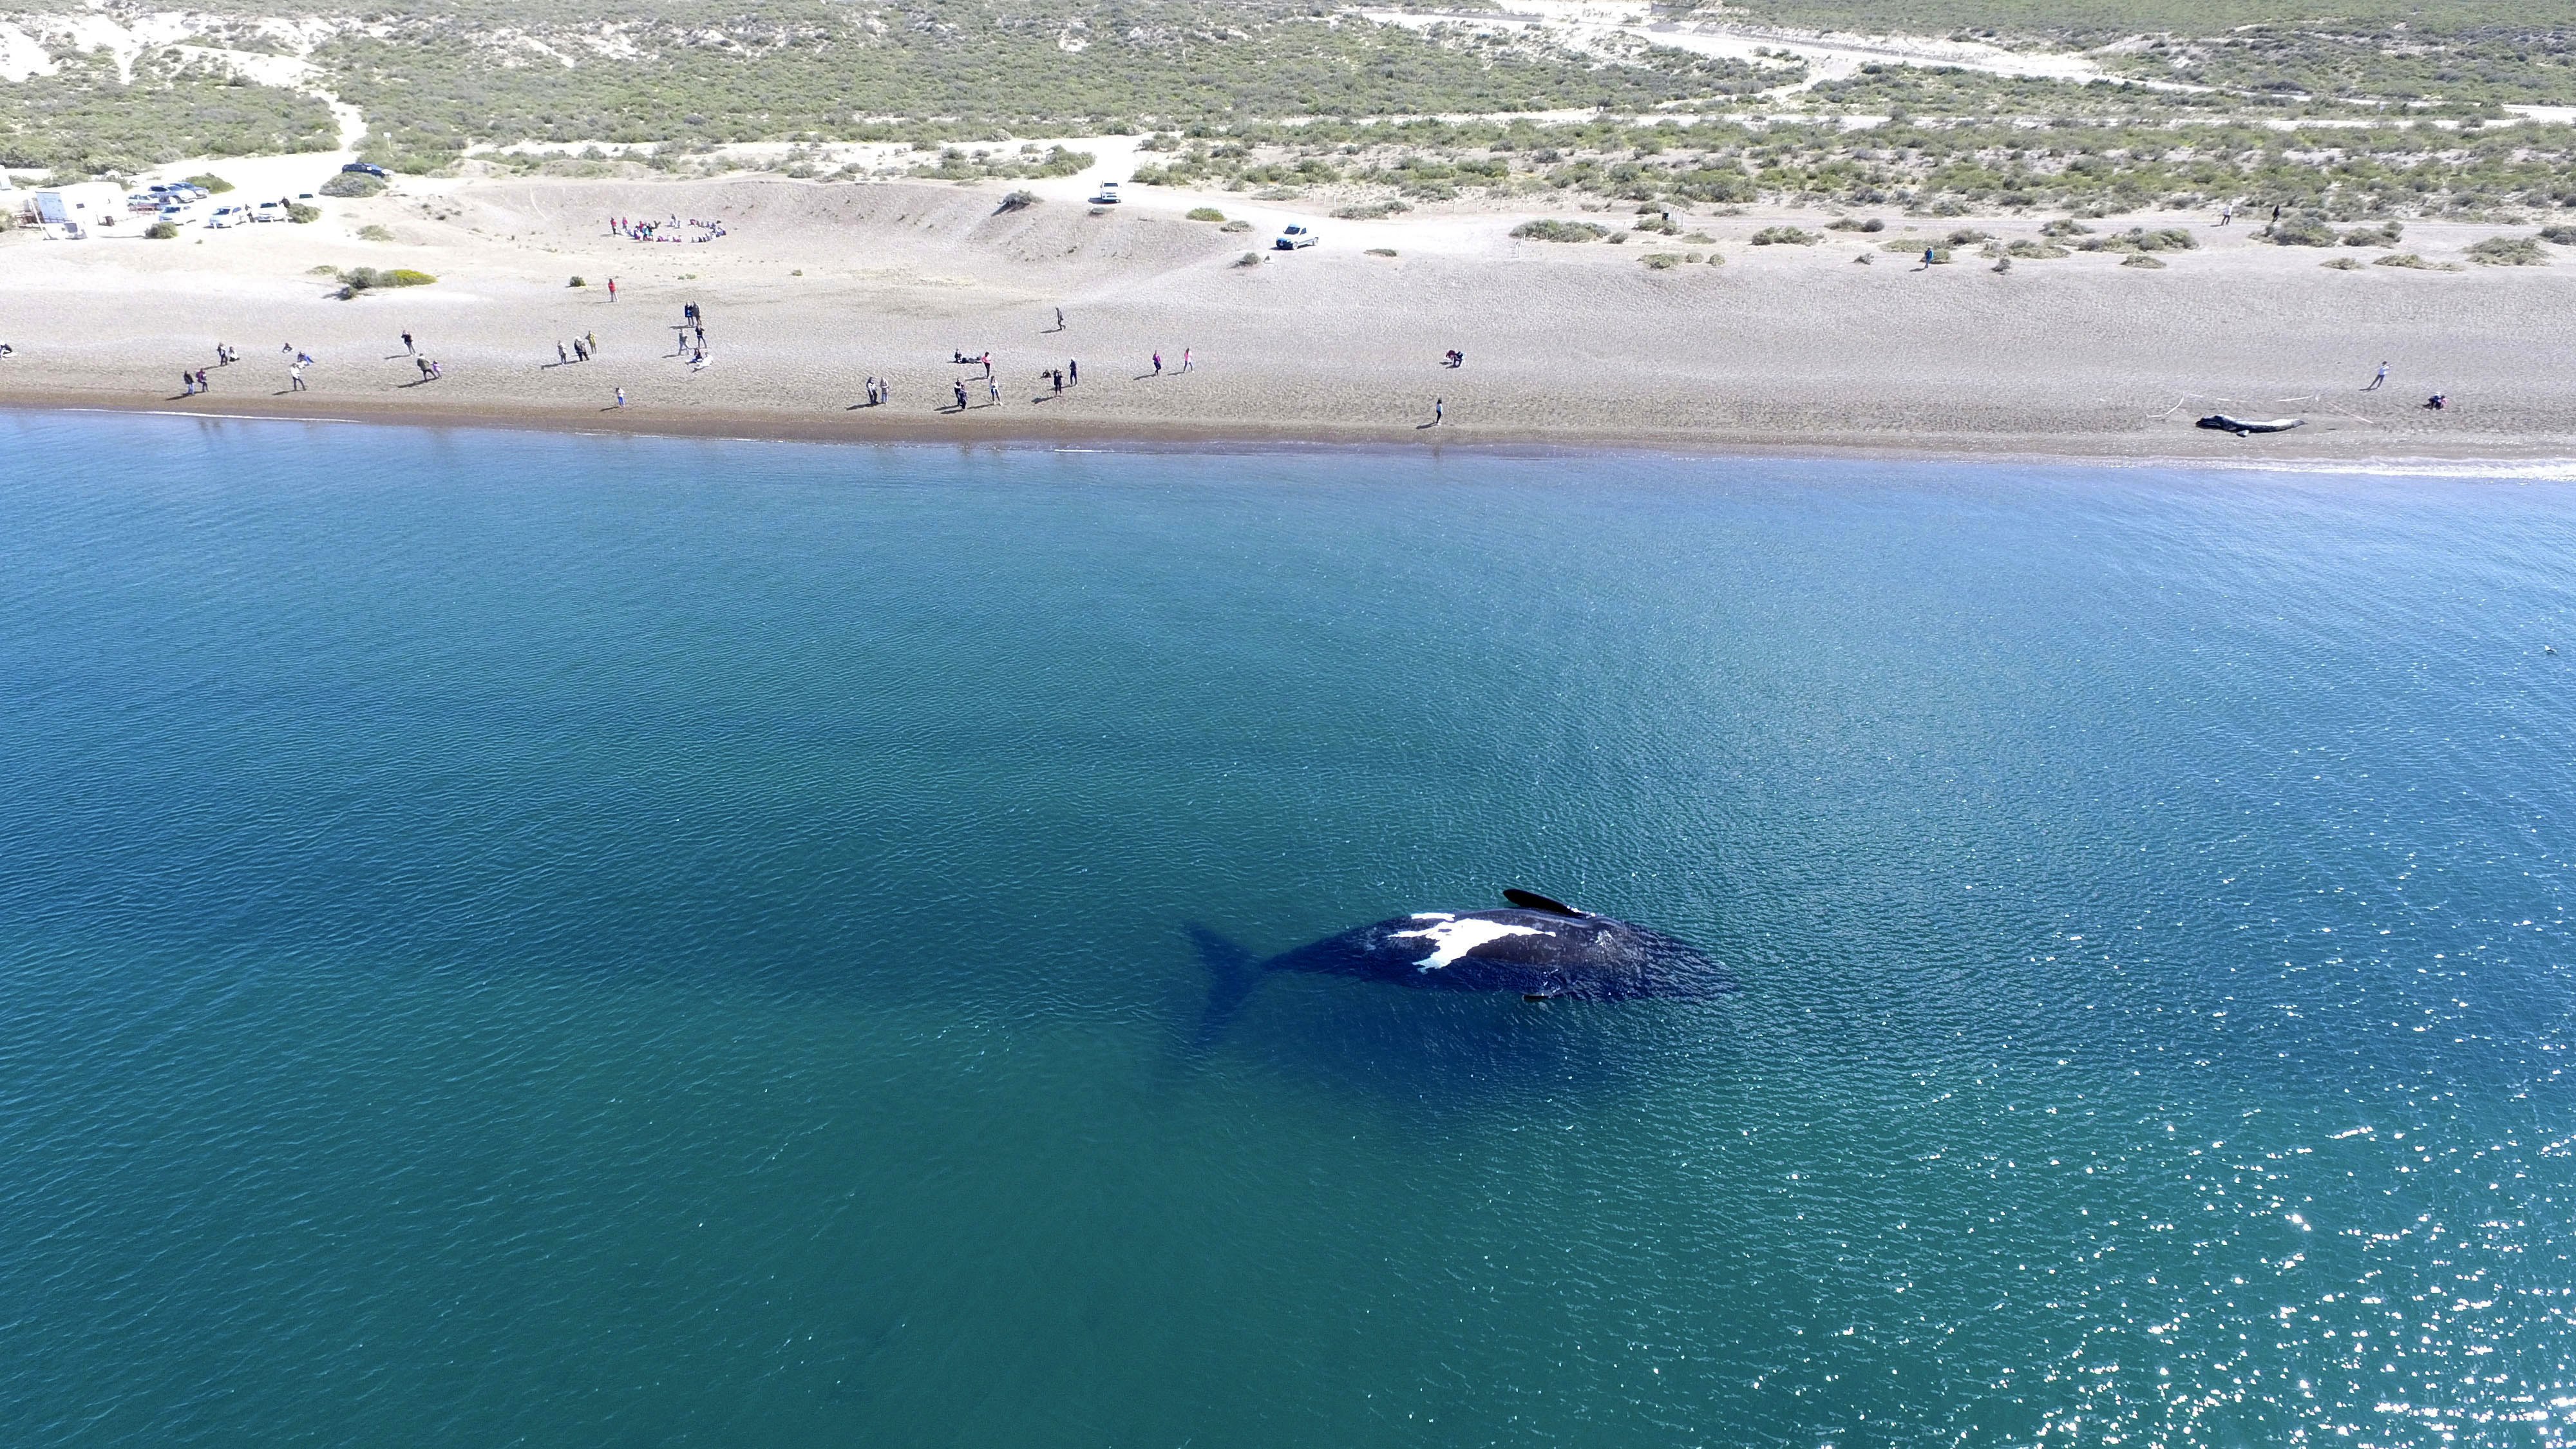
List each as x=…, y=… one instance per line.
x=1374, y=211
x=2341, y=264
x=372, y=232
x=1785, y=236
x=1248, y=259
x=2036, y=251
x=2065, y=226
x=2299, y=229
x=1661, y=261
x=352, y=183
x=1853, y=223
x=302, y=215
x=2165, y=239
x=1017, y=201
x=576, y=282
x=2565, y=236
x=2139, y=259
x=2509, y=251
x=2383, y=235
x=1237, y=225
x=1381, y=251
x=1205, y=213
x=1661, y=224
x=214, y=184
x=162, y=230
x=1560, y=231
x=2402, y=259
x=357, y=280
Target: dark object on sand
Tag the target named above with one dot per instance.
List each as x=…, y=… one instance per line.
x=2221, y=422
x=1543, y=949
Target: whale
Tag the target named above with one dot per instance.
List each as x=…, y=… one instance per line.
x=1541, y=948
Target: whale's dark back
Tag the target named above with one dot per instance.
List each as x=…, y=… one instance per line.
x=1552, y=952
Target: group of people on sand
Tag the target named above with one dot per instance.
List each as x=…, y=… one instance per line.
x=580, y=349
x=692, y=337
x=634, y=230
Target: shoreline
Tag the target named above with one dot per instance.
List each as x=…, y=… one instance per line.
x=1825, y=350
x=2277, y=451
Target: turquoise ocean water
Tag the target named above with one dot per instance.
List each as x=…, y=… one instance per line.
x=518, y=940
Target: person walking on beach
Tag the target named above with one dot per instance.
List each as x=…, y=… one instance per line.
x=593, y=339
x=408, y=347
x=561, y=357
x=621, y=397
x=295, y=376
x=2378, y=380
x=1158, y=363
x=960, y=385
x=1439, y=410
x=1059, y=319
x=1185, y=359
x=2226, y=213
x=187, y=383
x=992, y=393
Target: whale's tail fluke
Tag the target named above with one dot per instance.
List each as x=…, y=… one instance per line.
x=1232, y=973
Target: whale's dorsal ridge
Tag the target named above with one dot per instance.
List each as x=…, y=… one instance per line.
x=1533, y=901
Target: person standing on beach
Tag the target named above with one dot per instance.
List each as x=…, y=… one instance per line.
x=561, y=357
x=1158, y=362
x=2378, y=381
x=621, y=397
x=2226, y=213
x=1059, y=319
x=1185, y=359
x=187, y=383
x=1439, y=410
x=593, y=339
x=408, y=347
x=612, y=289
x=1072, y=371
x=295, y=376
x=960, y=385
x=992, y=393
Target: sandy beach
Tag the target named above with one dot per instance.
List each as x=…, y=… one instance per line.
x=816, y=287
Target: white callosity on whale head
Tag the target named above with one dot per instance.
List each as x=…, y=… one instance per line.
x=1453, y=938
